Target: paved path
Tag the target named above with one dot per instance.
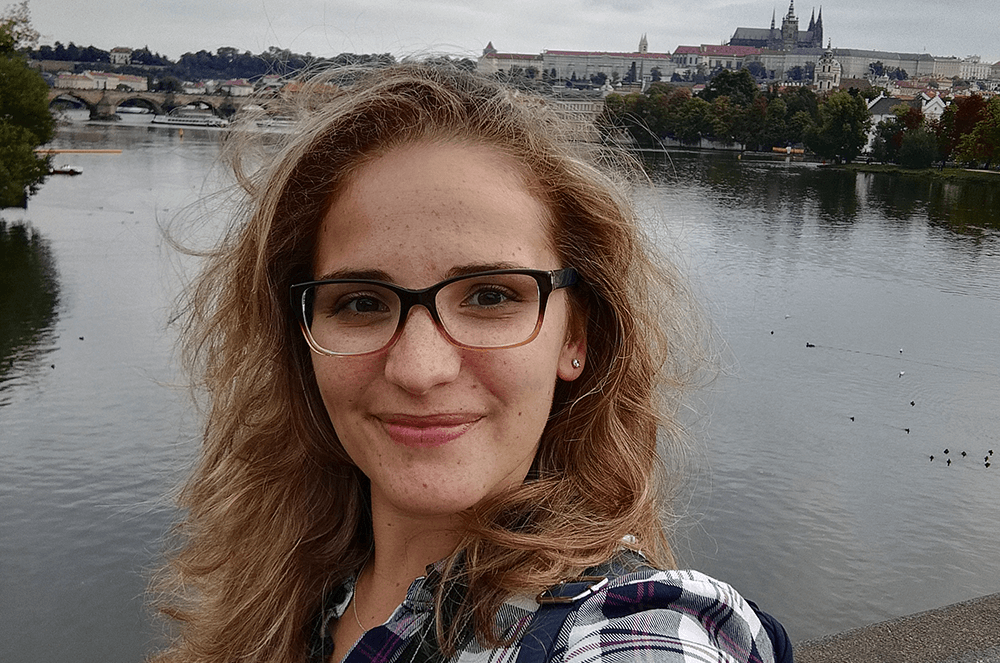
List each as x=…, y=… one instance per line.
x=967, y=632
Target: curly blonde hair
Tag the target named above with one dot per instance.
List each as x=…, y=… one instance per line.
x=276, y=514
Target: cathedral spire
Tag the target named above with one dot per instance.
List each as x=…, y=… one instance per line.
x=818, y=29
x=791, y=9
x=812, y=20
x=774, y=13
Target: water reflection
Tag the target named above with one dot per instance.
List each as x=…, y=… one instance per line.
x=965, y=207
x=29, y=297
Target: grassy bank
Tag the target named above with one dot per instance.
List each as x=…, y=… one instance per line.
x=945, y=174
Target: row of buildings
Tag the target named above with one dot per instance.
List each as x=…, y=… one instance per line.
x=102, y=80
x=778, y=54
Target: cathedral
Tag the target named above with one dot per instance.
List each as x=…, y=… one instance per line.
x=787, y=38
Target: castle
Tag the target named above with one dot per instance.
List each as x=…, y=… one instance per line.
x=789, y=37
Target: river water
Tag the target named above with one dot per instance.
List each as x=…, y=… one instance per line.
x=812, y=490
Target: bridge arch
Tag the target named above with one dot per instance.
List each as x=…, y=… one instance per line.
x=68, y=96
x=144, y=100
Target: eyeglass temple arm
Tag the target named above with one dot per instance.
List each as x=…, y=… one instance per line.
x=563, y=278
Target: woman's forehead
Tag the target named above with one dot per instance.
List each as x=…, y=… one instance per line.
x=436, y=204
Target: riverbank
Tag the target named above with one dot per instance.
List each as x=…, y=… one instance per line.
x=936, y=173
x=961, y=632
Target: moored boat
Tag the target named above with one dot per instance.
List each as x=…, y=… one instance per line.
x=190, y=118
x=66, y=169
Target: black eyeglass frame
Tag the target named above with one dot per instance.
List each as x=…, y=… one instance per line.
x=548, y=281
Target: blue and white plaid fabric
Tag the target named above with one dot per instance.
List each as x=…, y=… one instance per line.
x=646, y=615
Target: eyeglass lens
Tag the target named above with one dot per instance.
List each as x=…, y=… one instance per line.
x=481, y=311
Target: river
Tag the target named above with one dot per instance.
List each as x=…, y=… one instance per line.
x=856, y=317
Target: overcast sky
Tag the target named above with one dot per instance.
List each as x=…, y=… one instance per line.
x=463, y=27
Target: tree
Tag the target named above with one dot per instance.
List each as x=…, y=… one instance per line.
x=739, y=86
x=751, y=124
x=16, y=32
x=893, y=132
x=959, y=119
x=693, y=121
x=757, y=70
x=982, y=144
x=25, y=120
x=842, y=127
x=918, y=149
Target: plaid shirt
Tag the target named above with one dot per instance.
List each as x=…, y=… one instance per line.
x=646, y=615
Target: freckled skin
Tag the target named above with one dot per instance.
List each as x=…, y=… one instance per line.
x=414, y=214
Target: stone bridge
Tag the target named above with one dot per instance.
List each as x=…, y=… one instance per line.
x=103, y=103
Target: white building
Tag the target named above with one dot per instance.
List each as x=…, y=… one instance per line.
x=972, y=69
x=581, y=108
x=493, y=62
x=579, y=65
x=121, y=55
x=237, y=87
x=70, y=81
x=827, y=74
x=709, y=57
x=134, y=83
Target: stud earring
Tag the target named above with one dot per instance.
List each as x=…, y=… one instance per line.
x=576, y=363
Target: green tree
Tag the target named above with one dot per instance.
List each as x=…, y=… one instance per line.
x=982, y=144
x=25, y=120
x=739, y=86
x=751, y=124
x=841, y=129
x=959, y=119
x=693, y=121
x=918, y=149
x=891, y=133
x=722, y=116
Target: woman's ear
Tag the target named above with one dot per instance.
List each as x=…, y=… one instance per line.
x=572, y=357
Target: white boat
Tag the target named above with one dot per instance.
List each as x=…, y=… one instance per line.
x=66, y=169
x=191, y=118
x=278, y=123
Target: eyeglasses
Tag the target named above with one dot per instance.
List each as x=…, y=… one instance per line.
x=487, y=310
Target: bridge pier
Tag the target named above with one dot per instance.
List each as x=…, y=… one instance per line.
x=103, y=109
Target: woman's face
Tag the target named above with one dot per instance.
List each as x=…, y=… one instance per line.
x=435, y=427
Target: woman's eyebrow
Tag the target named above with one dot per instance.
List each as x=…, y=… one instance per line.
x=379, y=275
x=473, y=268
x=356, y=275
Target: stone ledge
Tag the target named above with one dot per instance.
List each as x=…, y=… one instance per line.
x=955, y=632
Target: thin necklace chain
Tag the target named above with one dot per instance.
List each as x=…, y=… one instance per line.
x=354, y=599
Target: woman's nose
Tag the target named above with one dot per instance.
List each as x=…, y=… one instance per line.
x=422, y=357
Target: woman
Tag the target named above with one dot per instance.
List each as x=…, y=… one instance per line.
x=433, y=345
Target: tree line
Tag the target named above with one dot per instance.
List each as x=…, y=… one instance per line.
x=968, y=133
x=732, y=109
x=25, y=120
x=226, y=62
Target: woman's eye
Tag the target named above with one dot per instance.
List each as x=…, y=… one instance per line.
x=366, y=305
x=360, y=305
x=489, y=298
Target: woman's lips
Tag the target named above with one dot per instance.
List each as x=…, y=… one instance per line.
x=427, y=431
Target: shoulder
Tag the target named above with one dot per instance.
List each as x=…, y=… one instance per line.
x=653, y=615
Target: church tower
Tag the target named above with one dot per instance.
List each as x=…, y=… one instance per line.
x=790, y=29
x=643, y=45
x=818, y=30
x=828, y=71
